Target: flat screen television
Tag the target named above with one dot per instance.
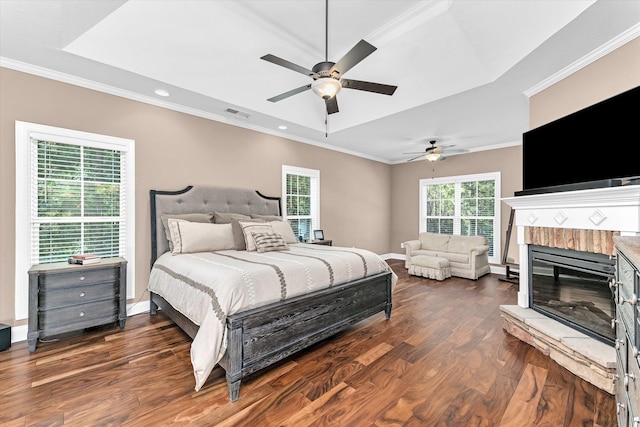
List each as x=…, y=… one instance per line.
x=591, y=148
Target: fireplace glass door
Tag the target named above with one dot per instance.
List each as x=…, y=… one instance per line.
x=573, y=288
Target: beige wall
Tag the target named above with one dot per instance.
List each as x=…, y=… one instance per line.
x=610, y=75
x=174, y=150
x=406, y=180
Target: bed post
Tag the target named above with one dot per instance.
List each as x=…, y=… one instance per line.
x=387, y=309
x=234, y=358
x=153, y=307
x=154, y=240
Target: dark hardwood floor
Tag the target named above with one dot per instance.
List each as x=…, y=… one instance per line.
x=442, y=359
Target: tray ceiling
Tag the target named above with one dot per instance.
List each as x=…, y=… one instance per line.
x=461, y=67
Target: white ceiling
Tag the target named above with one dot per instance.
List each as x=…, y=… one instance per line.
x=462, y=67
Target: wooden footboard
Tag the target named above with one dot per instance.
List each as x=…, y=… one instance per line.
x=263, y=336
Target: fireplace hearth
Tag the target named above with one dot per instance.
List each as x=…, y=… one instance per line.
x=573, y=288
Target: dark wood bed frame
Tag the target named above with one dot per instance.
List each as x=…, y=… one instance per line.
x=262, y=336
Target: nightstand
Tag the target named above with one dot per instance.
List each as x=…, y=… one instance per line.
x=66, y=297
x=322, y=242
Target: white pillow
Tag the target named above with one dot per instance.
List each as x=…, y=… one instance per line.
x=284, y=228
x=189, y=237
x=253, y=227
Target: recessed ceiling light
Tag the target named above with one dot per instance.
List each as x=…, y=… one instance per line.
x=162, y=92
x=282, y=127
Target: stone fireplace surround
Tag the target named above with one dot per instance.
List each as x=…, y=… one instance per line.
x=579, y=220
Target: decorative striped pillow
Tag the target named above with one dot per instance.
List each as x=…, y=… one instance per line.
x=266, y=242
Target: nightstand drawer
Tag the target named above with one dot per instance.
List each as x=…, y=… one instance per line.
x=78, y=295
x=80, y=277
x=82, y=313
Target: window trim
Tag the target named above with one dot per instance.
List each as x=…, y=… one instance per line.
x=24, y=132
x=314, y=174
x=496, y=176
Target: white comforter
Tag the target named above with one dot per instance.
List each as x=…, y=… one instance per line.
x=208, y=286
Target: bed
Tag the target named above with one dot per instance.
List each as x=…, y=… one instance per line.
x=248, y=308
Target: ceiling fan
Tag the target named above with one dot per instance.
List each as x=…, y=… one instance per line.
x=327, y=76
x=433, y=153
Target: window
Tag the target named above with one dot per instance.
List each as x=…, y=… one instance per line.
x=464, y=205
x=301, y=190
x=74, y=194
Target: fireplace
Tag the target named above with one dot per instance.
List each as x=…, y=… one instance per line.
x=573, y=287
x=557, y=233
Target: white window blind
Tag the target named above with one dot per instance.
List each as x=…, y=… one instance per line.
x=301, y=190
x=79, y=205
x=463, y=205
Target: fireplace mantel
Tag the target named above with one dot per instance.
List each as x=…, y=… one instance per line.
x=613, y=208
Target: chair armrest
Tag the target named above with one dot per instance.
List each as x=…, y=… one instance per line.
x=412, y=245
x=479, y=257
x=479, y=250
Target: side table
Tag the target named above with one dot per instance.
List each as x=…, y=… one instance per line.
x=67, y=297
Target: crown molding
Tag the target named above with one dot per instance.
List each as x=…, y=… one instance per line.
x=111, y=90
x=591, y=57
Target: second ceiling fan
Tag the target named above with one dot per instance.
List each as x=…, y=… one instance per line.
x=433, y=153
x=327, y=76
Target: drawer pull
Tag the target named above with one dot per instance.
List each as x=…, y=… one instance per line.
x=82, y=294
x=613, y=323
x=628, y=376
x=633, y=300
x=636, y=421
x=81, y=278
x=613, y=284
x=82, y=314
x=635, y=352
x=619, y=408
x=619, y=342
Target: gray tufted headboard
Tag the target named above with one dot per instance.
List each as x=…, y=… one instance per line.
x=204, y=199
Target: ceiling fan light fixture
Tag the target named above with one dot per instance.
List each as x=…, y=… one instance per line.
x=432, y=156
x=326, y=87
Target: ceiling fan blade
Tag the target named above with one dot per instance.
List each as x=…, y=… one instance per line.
x=332, y=105
x=289, y=93
x=369, y=86
x=357, y=53
x=456, y=151
x=287, y=64
x=416, y=157
x=425, y=151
